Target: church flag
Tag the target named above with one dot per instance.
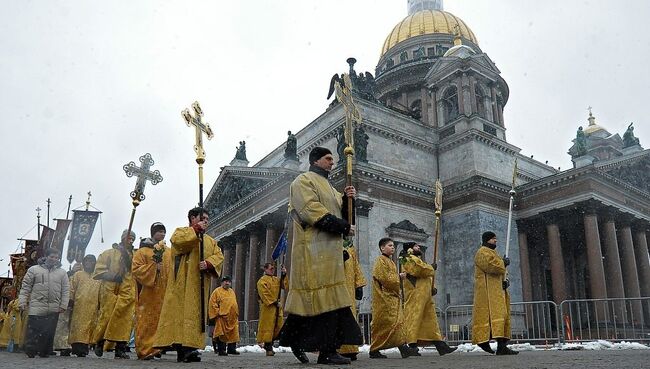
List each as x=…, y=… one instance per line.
x=47, y=235
x=280, y=247
x=32, y=253
x=83, y=225
x=62, y=226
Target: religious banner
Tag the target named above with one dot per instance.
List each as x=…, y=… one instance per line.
x=18, y=267
x=32, y=253
x=62, y=226
x=47, y=234
x=83, y=225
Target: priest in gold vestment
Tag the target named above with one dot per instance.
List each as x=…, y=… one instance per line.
x=355, y=281
x=387, y=327
x=84, y=297
x=151, y=267
x=14, y=325
x=491, y=311
x=225, y=313
x=318, y=302
x=268, y=291
x=420, y=317
x=180, y=324
x=116, y=297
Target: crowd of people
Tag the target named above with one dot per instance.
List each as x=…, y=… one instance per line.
x=152, y=296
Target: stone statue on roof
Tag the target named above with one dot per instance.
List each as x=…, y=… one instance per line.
x=628, y=137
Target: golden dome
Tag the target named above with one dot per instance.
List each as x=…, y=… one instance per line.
x=427, y=22
x=593, y=127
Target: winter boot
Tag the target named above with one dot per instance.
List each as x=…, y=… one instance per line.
x=377, y=355
x=443, y=348
x=268, y=347
x=332, y=358
x=503, y=349
x=414, y=349
x=99, y=348
x=485, y=346
x=232, y=349
x=406, y=351
x=120, y=350
x=300, y=356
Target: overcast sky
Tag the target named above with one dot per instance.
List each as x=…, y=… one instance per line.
x=87, y=86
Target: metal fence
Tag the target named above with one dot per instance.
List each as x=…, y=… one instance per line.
x=536, y=322
x=615, y=319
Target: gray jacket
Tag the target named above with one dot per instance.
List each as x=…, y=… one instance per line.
x=44, y=291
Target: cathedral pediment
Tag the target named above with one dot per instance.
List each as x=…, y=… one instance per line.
x=444, y=66
x=236, y=185
x=634, y=171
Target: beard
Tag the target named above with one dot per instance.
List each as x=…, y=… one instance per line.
x=417, y=253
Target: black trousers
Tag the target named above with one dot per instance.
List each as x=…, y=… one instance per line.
x=39, y=337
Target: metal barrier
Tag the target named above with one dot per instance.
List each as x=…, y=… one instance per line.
x=614, y=319
x=248, y=332
x=534, y=322
x=537, y=322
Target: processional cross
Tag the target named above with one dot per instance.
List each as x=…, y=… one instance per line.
x=199, y=128
x=343, y=88
x=143, y=174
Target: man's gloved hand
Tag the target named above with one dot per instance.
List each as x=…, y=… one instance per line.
x=505, y=284
x=112, y=277
x=434, y=291
x=277, y=303
x=435, y=266
x=506, y=260
x=358, y=293
x=346, y=255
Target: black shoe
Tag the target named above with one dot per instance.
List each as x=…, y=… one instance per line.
x=332, y=358
x=43, y=355
x=443, y=348
x=222, y=353
x=485, y=346
x=99, y=348
x=65, y=352
x=232, y=349
x=300, y=356
x=158, y=355
x=192, y=357
x=81, y=354
x=30, y=355
x=376, y=355
x=120, y=351
x=406, y=351
x=505, y=350
x=351, y=356
x=415, y=351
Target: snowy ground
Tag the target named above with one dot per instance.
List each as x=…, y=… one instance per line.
x=468, y=347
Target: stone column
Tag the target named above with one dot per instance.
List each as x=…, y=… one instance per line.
x=434, y=106
x=630, y=275
x=643, y=267
x=558, y=274
x=472, y=94
x=239, y=276
x=524, y=263
x=459, y=95
x=424, y=98
x=250, y=303
x=613, y=268
x=495, y=114
x=271, y=237
x=595, y=264
x=227, y=266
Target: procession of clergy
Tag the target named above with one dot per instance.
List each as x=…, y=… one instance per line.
x=155, y=292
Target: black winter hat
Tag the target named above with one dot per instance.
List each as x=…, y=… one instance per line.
x=226, y=278
x=157, y=227
x=408, y=245
x=317, y=153
x=488, y=236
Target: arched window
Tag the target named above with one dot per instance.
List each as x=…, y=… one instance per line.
x=480, y=101
x=450, y=104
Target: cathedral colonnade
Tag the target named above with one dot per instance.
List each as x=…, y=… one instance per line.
x=245, y=252
x=587, y=251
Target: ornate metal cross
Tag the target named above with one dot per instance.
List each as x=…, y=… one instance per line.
x=200, y=128
x=143, y=174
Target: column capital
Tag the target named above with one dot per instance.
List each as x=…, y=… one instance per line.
x=240, y=236
x=609, y=213
x=227, y=242
x=625, y=220
x=254, y=229
x=590, y=207
x=640, y=225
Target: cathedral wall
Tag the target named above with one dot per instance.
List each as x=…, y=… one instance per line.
x=461, y=235
x=380, y=217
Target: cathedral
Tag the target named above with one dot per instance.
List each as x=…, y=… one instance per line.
x=433, y=109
